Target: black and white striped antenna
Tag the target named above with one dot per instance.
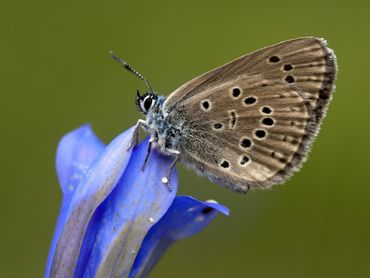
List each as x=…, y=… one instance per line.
x=131, y=69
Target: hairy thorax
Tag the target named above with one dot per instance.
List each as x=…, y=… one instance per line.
x=164, y=133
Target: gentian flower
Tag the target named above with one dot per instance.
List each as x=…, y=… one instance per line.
x=115, y=219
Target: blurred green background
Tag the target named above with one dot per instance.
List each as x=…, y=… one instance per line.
x=56, y=74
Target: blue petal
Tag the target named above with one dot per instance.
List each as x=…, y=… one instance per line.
x=76, y=151
x=136, y=204
x=186, y=217
x=99, y=181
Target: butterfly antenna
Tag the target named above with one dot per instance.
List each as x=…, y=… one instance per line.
x=131, y=69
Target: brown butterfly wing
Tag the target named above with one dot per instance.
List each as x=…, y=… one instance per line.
x=251, y=122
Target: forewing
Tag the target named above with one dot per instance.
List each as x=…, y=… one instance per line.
x=251, y=122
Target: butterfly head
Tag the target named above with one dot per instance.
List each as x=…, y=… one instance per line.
x=146, y=102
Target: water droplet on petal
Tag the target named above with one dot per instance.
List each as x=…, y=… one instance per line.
x=200, y=218
x=191, y=209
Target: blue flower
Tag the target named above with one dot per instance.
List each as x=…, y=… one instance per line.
x=115, y=219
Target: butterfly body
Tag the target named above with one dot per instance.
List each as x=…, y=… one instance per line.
x=164, y=133
x=251, y=122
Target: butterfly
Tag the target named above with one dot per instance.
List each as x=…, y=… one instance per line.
x=249, y=123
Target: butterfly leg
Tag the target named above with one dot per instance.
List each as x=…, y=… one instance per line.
x=166, y=180
x=135, y=141
x=151, y=140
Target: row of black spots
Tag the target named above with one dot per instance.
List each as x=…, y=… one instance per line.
x=246, y=142
x=243, y=161
x=247, y=101
x=287, y=67
x=276, y=59
x=266, y=121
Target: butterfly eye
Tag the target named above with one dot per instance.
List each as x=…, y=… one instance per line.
x=147, y=103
